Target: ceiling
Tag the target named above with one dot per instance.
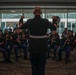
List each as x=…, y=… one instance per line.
x=37, y=0
x=30, y=4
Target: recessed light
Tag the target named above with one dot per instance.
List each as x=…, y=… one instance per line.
x=13, y=11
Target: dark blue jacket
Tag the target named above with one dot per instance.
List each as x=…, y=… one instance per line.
x=38, y=27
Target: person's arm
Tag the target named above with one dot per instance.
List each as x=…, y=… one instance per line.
x=52, y=27
x=25, y=25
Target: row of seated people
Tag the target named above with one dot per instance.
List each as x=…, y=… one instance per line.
x=67, y=43
x=19, y=40
x=13, y=41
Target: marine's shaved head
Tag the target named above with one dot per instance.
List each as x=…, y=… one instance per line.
x=37, y=10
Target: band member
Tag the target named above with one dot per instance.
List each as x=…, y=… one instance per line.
x=67, y=47
x=19, y=42
x=55, y=43
x=56, y=20
x=16, y=43
x=62, y=44
x=8, y=46
x=24, y=45
x=75, y=41
x=2, y=46
x=21, y=20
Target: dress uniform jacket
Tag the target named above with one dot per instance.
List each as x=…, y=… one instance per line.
x=38, y=27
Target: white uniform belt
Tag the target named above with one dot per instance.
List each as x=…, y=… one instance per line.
x=33, y=36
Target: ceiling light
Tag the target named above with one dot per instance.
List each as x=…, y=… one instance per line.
x=13, y=11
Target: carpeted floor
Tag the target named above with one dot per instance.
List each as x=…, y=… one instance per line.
x=53, y=67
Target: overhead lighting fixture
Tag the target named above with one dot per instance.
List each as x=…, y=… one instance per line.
x=13, y=11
